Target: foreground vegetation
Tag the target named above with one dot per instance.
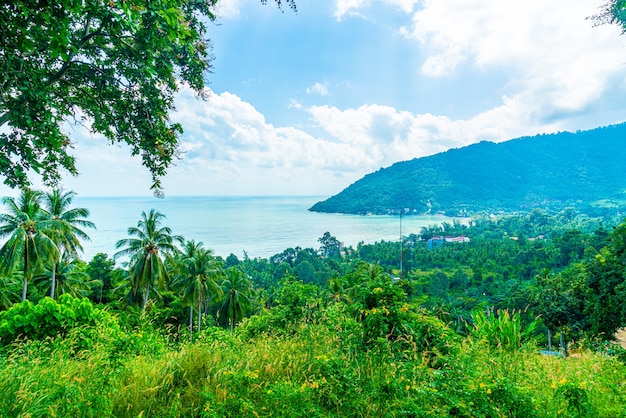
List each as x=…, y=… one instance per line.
x=518, y=321
x=318, y=364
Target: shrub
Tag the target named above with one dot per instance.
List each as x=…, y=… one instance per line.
x=296, y=304
x=51, y=318
x=411, y=332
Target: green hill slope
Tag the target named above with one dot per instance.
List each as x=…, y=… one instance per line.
x=550, y=171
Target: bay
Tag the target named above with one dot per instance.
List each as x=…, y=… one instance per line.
x=260, y=226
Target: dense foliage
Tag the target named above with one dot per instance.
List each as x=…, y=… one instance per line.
x=49, y=318
x=517, y=321
x=555, y=171
x=113, y=66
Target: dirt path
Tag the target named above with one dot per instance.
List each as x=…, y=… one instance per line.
x=620, y=335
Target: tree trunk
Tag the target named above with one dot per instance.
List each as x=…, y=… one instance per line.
x=549, y=340
x=53, y=280
x=25, y=287
x=563, y=343
x=191, y=323
x=145, y=298
x=199, y=312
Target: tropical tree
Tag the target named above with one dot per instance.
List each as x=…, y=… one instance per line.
x=71, y=278
x=117, y=63
x=66, y=227
x=552, y=301
x=144, y=246
x=337, y=290
x=125, y=288
x=331, y=247
x=370, y=272
x=606, y=284
x=197, y=273
x=30, y=235
x=9, y=289
x=101, y=269
x=238, y=297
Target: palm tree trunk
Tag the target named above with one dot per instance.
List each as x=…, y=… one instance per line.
x=145, y=298
x=53, y=280
x=25, y=286
x=199, y=311
x=191, y=322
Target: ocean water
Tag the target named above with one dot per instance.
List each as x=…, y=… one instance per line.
x=260, y=226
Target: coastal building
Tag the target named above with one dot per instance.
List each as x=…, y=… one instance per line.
x=436, y=242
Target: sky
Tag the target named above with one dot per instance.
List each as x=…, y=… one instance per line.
x=307, y=103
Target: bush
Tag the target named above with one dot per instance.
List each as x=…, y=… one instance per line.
x=410, y=332
x=296, y=304
x=50, y=318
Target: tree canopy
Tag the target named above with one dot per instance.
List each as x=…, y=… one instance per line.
x=112, y=66
x=613, y=12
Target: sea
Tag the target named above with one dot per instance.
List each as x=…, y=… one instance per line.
x=256, y=226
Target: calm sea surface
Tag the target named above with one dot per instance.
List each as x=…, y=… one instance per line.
x=261, y=226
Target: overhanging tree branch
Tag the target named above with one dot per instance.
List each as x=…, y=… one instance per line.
x=122, y=75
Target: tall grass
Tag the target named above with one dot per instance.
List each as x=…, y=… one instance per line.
x=316, y=371
x=502, y=329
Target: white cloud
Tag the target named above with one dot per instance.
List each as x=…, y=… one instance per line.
x=406, y=6
x=294, y=104
x=549, y=54
x=535, y=34
x=231, y=149
x=391, y=135
x=350, y=7
x=442, y=64
x=229, y=9
x=226, y=129
x=318, y=88
x=343, y=7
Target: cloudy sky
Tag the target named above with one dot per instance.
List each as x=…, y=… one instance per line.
x=307, y=103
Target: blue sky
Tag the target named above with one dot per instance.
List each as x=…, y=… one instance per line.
x=307, y=103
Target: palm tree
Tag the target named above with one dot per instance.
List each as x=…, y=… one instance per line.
x=30, y=236
x=238, y=294
x=370, y=272
x=125, y=288
x=337, y=291
x=197, y=272
x=147, y=240
x=364, y=274
x=66, y=226
x=71, y=277
x=9, y=289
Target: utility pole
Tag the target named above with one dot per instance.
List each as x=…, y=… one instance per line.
x=401, y=210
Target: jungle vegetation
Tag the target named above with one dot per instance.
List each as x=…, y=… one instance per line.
x=519, y=320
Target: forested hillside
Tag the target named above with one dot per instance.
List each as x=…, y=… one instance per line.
x=582, y=169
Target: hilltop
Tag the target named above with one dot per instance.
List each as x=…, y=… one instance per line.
x=586, y=170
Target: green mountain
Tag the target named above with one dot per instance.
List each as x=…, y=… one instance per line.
x=586, y=169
